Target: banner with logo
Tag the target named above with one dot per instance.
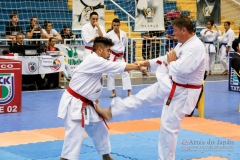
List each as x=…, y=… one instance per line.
x=30, y=65
x=208, y=10
x=58, y=64
x=82, y=10
x=149, y=15
x=233, y=83
x=10, y=86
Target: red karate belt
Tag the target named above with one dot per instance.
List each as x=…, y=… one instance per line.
x=181, y=85
x=116, y=55
x=87, y=47
x=85, y=102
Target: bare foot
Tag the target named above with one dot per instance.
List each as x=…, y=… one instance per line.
x=105, y=113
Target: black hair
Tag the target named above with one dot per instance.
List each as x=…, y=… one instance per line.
x=235, y=44
x=93, y=13
x=46, y=23
x=32, y=18
x=102, y=42
x=211, y=22
x=12, y=15
x=183, y=22
x=227, y=22
x=116, y=20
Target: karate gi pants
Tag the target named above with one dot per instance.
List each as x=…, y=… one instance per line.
x=74, y=135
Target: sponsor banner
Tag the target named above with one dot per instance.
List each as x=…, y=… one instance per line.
x=30, y=65
x=10, y=86
x=233, y=83
x=208, y=10
x=40, y=64
x=57, y=65
x=149, y=15
x=82, y=10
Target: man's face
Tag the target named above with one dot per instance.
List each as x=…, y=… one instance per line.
x=49, y=27
x=105, y=52
x=20, y=39
x=34, y=21
x=52, y=42
x=208, y=25
x=67, y=31
x=93, y=19
x=116, y=26
x=178, y=33
x=226, y=26
x=15, y=19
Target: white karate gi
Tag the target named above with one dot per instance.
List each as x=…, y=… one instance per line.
x=119, y=47
x=189, y=68
x=88, y=33
x=208, y=38
x=228, y=38
x=86, y=81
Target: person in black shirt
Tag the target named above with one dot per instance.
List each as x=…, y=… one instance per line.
x=34, y=31
x=236, y=57
x=12, y=28
x=18, y=46
x=67, y=34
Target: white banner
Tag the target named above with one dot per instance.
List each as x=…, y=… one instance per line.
x=83, y=8
x=149, y=15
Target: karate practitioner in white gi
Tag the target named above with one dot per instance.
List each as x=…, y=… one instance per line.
x=209, y=36
x=180, y=75
x=90, y=31
x=119, y=39
x=226, y=47
x=77, y=103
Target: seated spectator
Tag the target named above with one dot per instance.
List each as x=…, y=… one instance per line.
x=16, y=47
x=30, y=81
x=48, y=31
x=67, y=71
x=34, y=31
x=67, y=34
x=12, y=28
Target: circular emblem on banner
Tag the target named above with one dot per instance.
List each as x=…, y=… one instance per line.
x=6, y=88
x=56, y=65
x=32, y=67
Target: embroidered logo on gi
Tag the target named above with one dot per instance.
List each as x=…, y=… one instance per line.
x=32, y=67
x=56, y=65
x=6, y=88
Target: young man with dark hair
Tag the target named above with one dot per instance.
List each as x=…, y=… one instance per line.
x=119, y=39
x=34, y=31
x=180, y=74
x=90, y=31
x=13, y=28
x=78, y=105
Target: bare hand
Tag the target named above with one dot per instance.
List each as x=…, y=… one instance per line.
x=143, y=69
x=139, y=63
x=171, y=56
x=96, y=24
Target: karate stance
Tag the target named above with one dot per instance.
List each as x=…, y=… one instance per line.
x=90, y=31
x=119, y=39
x=78, y=103
x=209, y=36
x=180, y=75
x=226, y=47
